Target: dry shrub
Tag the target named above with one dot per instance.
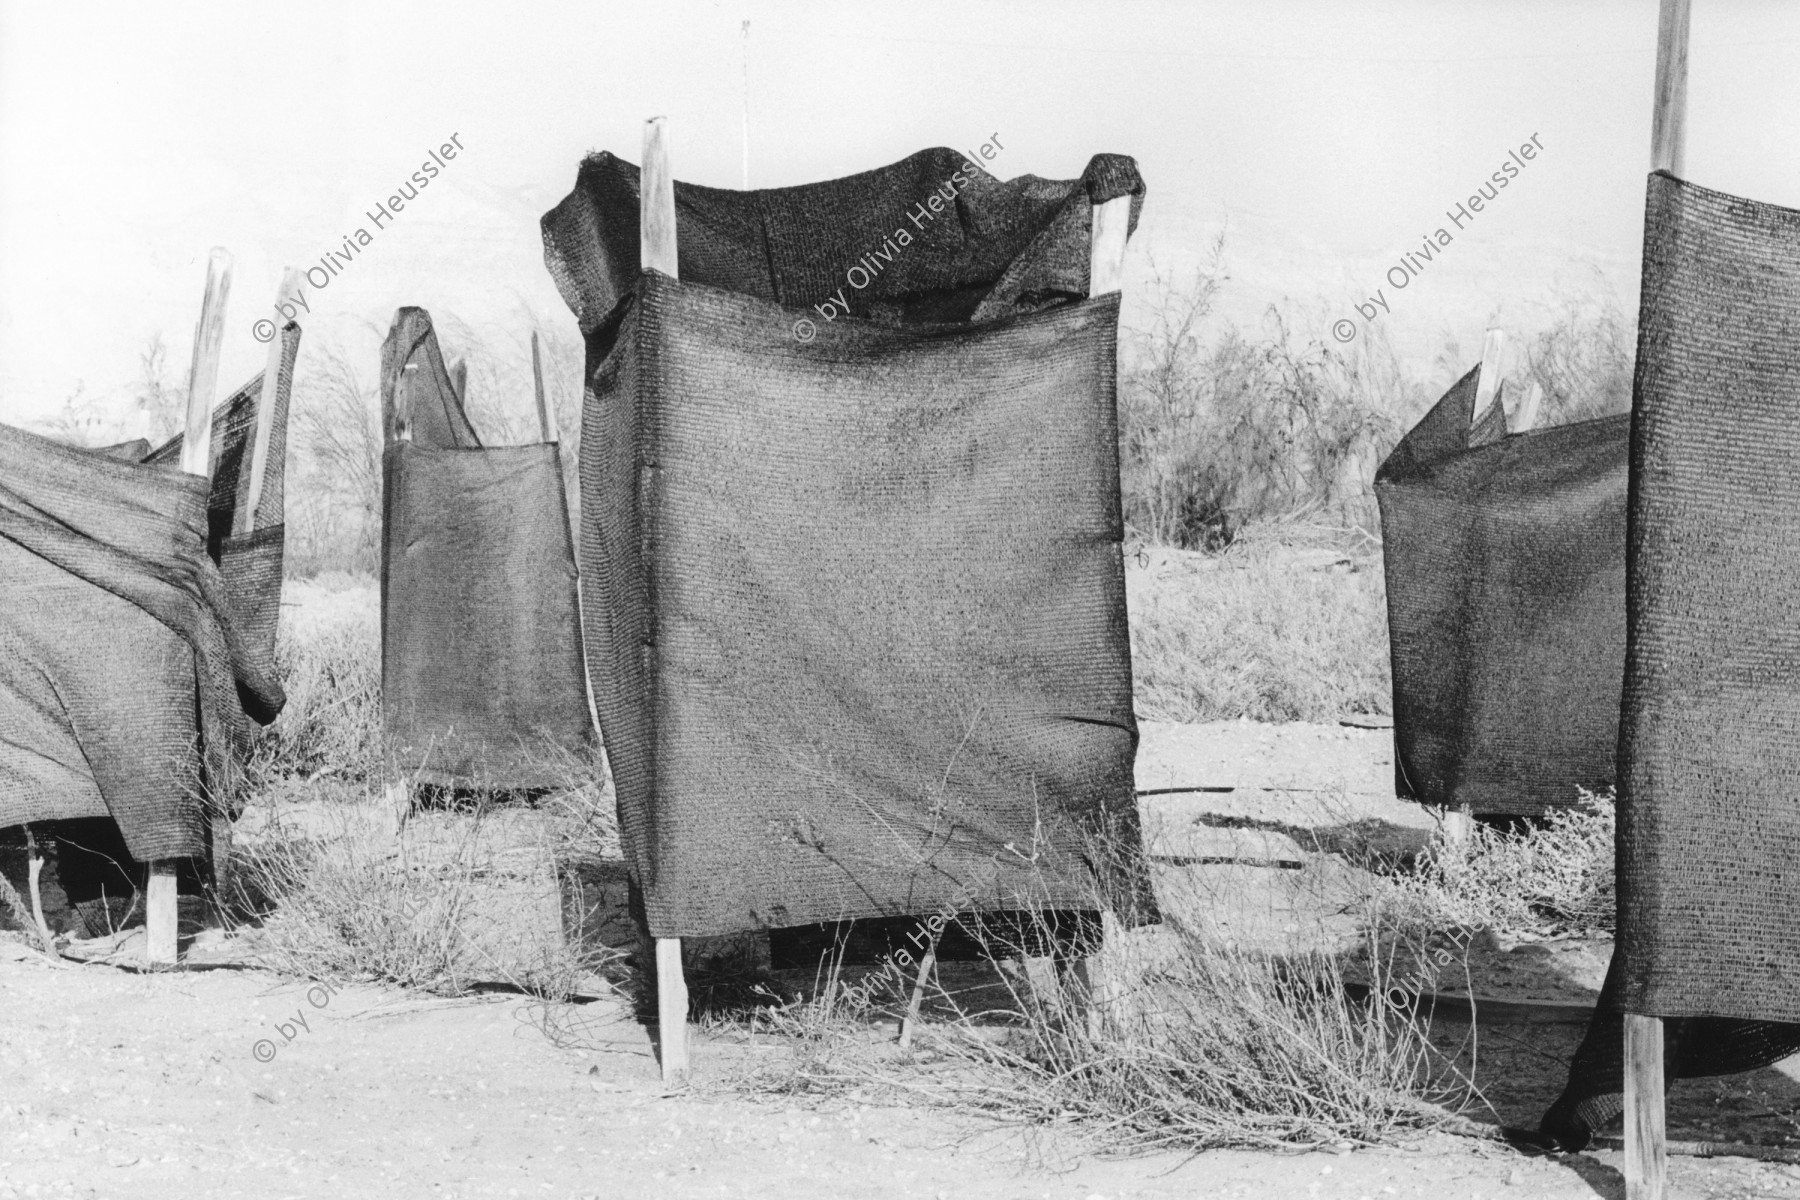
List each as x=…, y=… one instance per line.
x=461, y=898
x=1221, y=426
x=1178, y=1036
x=1274, y=631
x=331, y=725
x=1542, y=879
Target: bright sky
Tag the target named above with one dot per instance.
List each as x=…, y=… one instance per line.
x=1327, y=138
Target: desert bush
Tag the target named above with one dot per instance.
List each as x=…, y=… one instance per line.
x=1179, y=1038
x=1543, y=878
x=454, y=901
x=331, y=725
x=1284, y=627
x=1584, y=358
x=1220, y=428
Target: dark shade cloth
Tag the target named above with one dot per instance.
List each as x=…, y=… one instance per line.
x=481, y=667
x=855, y=605
x=1709, y=748
x=856, y=612
x=1693, y=1047
x=991, y=249
x=124, y=682
x=250, y=563
x=1505, y=565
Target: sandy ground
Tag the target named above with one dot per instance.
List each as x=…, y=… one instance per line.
x=114, y=1083
x=221, y=1079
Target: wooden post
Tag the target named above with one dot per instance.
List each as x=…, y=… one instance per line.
x=245, y=522
x=656, y=203
x=161, y=911
x=1530, y=409
x=1106, y=249
x=671, y=1011
x=1646, y=1147
x=1668, y=135
x=1459, y=824
x=397, y=794
x=546, y=414
x=459, y=380
x=1085, y=978
x=1646, y=1139
x=1487, y=383
x=911, y=1019
x=656, y=252
x=34, y=869
x=203, y=370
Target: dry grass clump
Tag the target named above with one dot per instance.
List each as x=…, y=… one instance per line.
x=1280, y=628
x=331, y=725
x=1542, y=879
x=1176, y=1036
x=462, y=898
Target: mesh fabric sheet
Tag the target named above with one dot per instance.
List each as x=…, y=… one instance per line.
x=1505, y=564
x=250, y=563
x=857, y=611
x=123, y=680
x=855, y=606
x=1709, y=814
x=991, y=249
x=481, y=664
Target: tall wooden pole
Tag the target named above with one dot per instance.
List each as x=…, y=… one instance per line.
x=397, y=795
x=1646, y=1145
x=1530, y=409
x=161, y=904
x=245, y=521
x=1106, y=248
x=1668, y=131
x=203, y=370
x=656, y=252
x=1493, y=367
x=1646, y=1139
x=1458, y=824
x=546, y=413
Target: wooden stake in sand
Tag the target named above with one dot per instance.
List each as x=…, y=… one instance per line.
x=1106, y=248
x=1493, y=367
x=34, y=870
x=1086, y=977
x=910, y=1021
x=1530, y=409
x=1646, y=1140
x=546, y=414
x=397, y=795
x=656, y=252
x=245, y=521
x=160, y=893
x=459, y=380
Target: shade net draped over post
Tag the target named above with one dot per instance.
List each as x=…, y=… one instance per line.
x=136, y=630
x=1505, y=565
x=481, y=667
x=855, y=603
x=1709, y=748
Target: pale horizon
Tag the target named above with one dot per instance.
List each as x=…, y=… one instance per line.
x=1324, y=142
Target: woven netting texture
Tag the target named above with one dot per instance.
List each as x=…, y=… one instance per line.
x=1692, y=1047
x=126, y=687
x=932, y=238
x=250, y=562
x=481, y=664
x=1505, y=567
x=857, y=612
x=855, y=606
x=1709, y=751
x=1709, y=877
